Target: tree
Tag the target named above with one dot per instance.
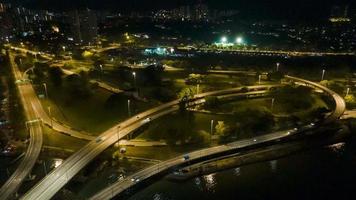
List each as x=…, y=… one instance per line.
x=87, y=54
x=292, y=99
x=153, y=74
x=186, y=92
x=255, y=120
x=221, y=128
x=275, y=76
x=163, y=94
x=77, y=87
x=350, y=99
x=334, y=86
x=194, y=79
x=319, y=112
x=55, y=76
x=211, y=102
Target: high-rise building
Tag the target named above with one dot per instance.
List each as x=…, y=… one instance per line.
x=83, y=25
x=340, y=14
x=201, y=12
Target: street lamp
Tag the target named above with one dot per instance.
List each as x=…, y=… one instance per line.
x=211, y=127
x=64, y=48
x=347, y=91
x=323, y=75
x=45, y=87
x=134, y=76
x=277, y=64
x=259, y=79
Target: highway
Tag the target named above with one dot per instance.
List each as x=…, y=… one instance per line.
x=34, y=126
x=196, y=156
x=60, y=176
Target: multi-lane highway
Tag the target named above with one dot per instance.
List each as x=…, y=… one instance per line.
x=34, y=126
x=120, y=186
x=54, y=181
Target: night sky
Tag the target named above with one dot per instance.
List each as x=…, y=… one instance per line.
x=281, y=9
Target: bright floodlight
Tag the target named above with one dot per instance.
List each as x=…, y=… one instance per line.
x=239, y=40
x=224, y=39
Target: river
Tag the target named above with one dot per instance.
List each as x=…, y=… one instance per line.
x=323, y=173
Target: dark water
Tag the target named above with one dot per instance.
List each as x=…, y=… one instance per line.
x=324, y=173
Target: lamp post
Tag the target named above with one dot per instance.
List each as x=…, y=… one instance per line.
x=259, y=79
x=347, y=91
x=135, y=82
x=277, y=68
x=323, y=74
x=45, y=87
x=211, y=127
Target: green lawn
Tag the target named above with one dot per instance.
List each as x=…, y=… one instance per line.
x=91, y=115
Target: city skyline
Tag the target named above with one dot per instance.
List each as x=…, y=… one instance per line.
x=277, y=9
x=180, y=99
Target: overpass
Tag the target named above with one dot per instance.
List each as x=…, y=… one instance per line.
x=34, y=127
x=60, y=176
x=208, y=153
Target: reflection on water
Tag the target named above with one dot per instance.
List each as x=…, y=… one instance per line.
x=198, y=183
x=237, y=171
x=338, y=148
x=157, y=197
x=210, y=182
x=323, y=173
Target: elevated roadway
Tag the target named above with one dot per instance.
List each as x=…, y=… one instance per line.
x=34, y=127
x=208, y=153
x=60, y=176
